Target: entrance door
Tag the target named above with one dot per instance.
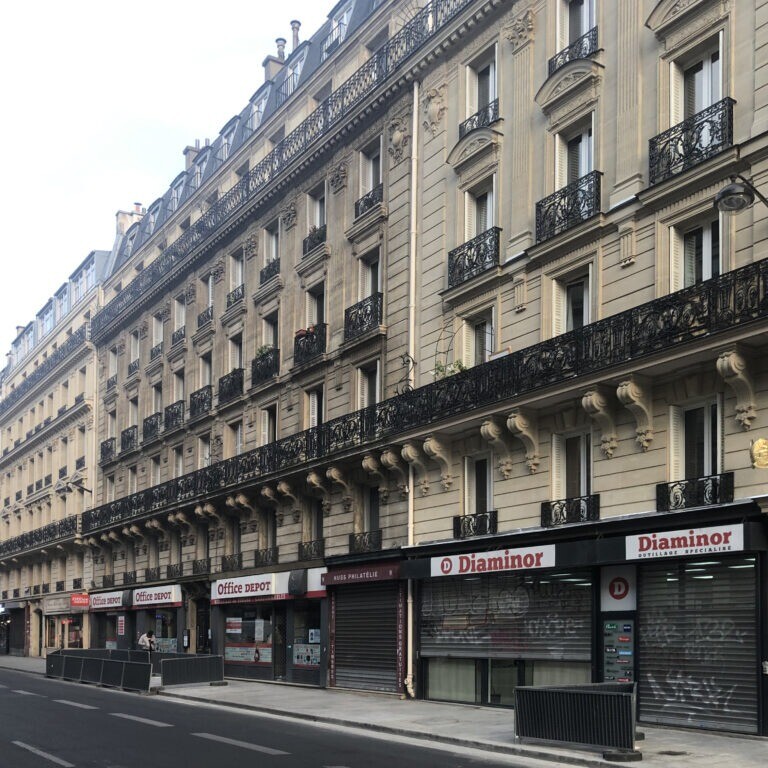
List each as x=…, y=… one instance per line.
x=278, y=642
x=203, y=618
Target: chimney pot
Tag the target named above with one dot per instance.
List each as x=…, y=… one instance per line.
x=137, y=207
x=295, y=26
x=280, y=48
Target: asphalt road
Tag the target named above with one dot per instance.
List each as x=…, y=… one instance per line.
x=46, y=723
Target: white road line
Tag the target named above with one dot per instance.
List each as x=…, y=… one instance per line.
x=144, y=720
x=74, y=704
x=27, y=693
x=243, y=744
x=46, y=755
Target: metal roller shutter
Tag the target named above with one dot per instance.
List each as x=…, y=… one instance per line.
x=697, y=632
x=365, y=640
x=547, y=616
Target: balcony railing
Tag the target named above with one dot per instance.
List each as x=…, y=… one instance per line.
x=205, y=317
x=334, y=39
x=129, y=577
x=579, y=509
x=309, y=343
x=201, y=401
x=201, y=567
x=479, y=524
x=156, y=351
x=481, y=119
x=174, y=415
x=363, y=316
x=232, y=562
x=133, y=366
x=269, y=271
x=36, y=589
x=46, y=588
x=62, y=472
x=369, y=200
x=367, y=541
x=151, y=427
x=77, y=583
x=266, y=557
x=724, y=304
x=108, y=580
x=231, y=386
x=178, y=335
x=80, y=462
x=174, y=571
x=265, y=367
x=315, y=237
x=235, y=295
x=17, y=592
x=59, y=586
x=691, y=142
x=695, y=492
x=152, y=574
x=107, y=450
x=476, y=256
x=129, y=439
x=312, y=550
x=568, y=207
x=287, y=87
x=582, y=48
x=112, y=381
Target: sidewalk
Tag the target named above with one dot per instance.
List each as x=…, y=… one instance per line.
x=487, y=728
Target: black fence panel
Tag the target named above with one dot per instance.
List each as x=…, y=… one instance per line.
x=54, y=665
x=92, y=670
x=112, y=673
x=192, y=669
x=73, y=668
x=136, y=676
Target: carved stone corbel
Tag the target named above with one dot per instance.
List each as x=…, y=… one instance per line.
x=412, y=454
x=597, y=403
x=524, y=425
x=635, y=395
x=373, y=468
x=393, y=463
x=734, y=367
x=336, y=476
x=317, y=488
x=284, y=489
x=439, y=452
x=495, y=434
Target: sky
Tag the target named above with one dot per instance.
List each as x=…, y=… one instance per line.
x=98, y=100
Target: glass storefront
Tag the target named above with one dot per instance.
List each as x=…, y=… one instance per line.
x=248, y=635
x=163, y=621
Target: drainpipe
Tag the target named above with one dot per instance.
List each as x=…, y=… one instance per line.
x=409, y=681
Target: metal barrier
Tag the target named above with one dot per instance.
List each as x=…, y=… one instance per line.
x=192, y=669
x=102, y=667
x=598, y=716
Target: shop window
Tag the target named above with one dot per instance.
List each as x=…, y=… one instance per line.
x=695, y=255
x=696, y=440
x=571, y=466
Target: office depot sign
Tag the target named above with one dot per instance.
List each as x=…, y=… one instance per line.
x=692, y=541
x=167, y=595
x=255, y=586
x=104, y=601
x=489, y=562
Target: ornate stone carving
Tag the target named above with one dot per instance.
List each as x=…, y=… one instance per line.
x=439, y=451
x=634, y=394
x=597, y=403
x=190, y=293
x=520, y=31
x=143, y=330
x=392, y=461
x=398, y=138
x=288, y=215
x=217, y=448
x=413, y=455
x=251, y=246
x=524, y=426
x=734, y=367
x=338, y=178
x=336, y=476
x=373, y=468
x=218, y=271
x=434, y=108
x=495, y=434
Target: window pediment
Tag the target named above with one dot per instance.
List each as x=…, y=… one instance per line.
x=476, y=147
x=674, y=19
x=571, y=90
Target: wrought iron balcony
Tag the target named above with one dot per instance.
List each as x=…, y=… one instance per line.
x=19, y=495
x=271, y=269
x=38, y=485
x=77, y=583
x=205, y=317
x=80, y=462
x=582, y=48
x=312, y=550
x=235, y=295
x=17, y=592
x=129, y=577
x=479, y=524
x=367, y=541
x=568, y=207
x=107, y=450
x=476, y=256
x=363, y=316
x=174, y=571
x=174, y=415
x=59, y=586
x=369, y=200
x=108, y=580
x=265, y=366
x=152, y=574
x=36, y=589
x=112, y=381
x=201, y=401
x=178, y=335
x=691, y=142
x=232, y=562
x=133, y=366
x=266, y=557
x=579, y=509
x=151, y=427
x=481, y=119
x=129, y=439
x=47, y=480
x=309, y=343
x=231, y=386
x=4, y=594
x=315, y=237
x=46, y=588
x=156, y=351
x=334, y=39
x=202, y=566
x=287, y=87
x=30, y=489
x=695, y=492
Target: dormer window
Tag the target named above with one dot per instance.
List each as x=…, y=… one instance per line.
x=293, y=72
x=226, y=144
x=338, y=31
x=176, y=192
x=256, y=114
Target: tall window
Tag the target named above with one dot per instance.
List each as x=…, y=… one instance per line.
x=478, y=492
x=134, y=346
x=696, y=84
x=112, y=362
x=204, y=451
x=479, y=209
x=478, y=338
x=157, y=398
x=272, y=241
x=206, y=369
x=695, y=255
x=179, y=391
x=157, y=330
x=270, y=332
x=571, y=465
x=370, y=275
x=179, y=312
x=570, y=303
x=236, y=270
x=315, y=300
x=696, y=440
x=178, y=461
x=368, y=384
x=236, y=352
x=235, y=439
x=371, y=509
x=481, y=82
x=315, y=407
x=317, y=207
x=575, y=155
x=154, y=470
x=371, y=166
x=576, y=19
x=133, y=411
x=269, y=424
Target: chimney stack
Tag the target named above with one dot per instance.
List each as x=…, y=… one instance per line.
x=190, y=153
x=281, y=48
x=295, y=26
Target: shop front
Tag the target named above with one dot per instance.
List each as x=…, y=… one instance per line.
x=270, y=626
x=14, y=626
x=367, y=627
x=111, y=621
x=63, y=621
x=160, y=609
x=5, y=621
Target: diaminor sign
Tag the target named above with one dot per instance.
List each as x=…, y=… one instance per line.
x=488, y=562
x=690, y=541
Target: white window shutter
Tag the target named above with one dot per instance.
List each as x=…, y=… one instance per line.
x=559, y=304
x=557, y=466
x=718, y=462
x=264, y=427
x=467, y=342
x=469, y=216
x=676, y=89
x=676, y=442
x=561, y=162
x=314, y=415
x=362, y=389
x=310, y=308
x=675, y=259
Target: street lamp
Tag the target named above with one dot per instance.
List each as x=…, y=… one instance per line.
x=737, y=196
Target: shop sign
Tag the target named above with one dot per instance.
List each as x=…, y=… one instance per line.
x=121, y=625
x=101, y=601
x=489, y=562
x=166, y=595
x=256, y=585
x=384, y=572
x=56, y=604
x=618, y=590
x=79, y=600
x=693, y=541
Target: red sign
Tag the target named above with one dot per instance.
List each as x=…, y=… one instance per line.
x=618, y=588
x=363, y=573
x=79, y=600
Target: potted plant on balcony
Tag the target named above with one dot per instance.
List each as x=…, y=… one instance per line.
x=265, y=349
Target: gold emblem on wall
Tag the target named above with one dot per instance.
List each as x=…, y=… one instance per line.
x=758, y=452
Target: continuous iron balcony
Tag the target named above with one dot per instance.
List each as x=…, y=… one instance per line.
x=40, y=537
x=578, y=509
x=309, y=343
x=201, y=401
x=568, y=207
x=231, y=386
x=695, y=492
x=369, y=200
x=484, y=117
x=691, y=142
x=474, y=257
x=363, y=316
x=265, y=366
x=271, y=269
x=582, y=48
x=479, y=524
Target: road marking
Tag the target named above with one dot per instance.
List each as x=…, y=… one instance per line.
x=46, y=755
x=74, y=704
x=144, y=720
x=243, y=744
x=27, y=693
